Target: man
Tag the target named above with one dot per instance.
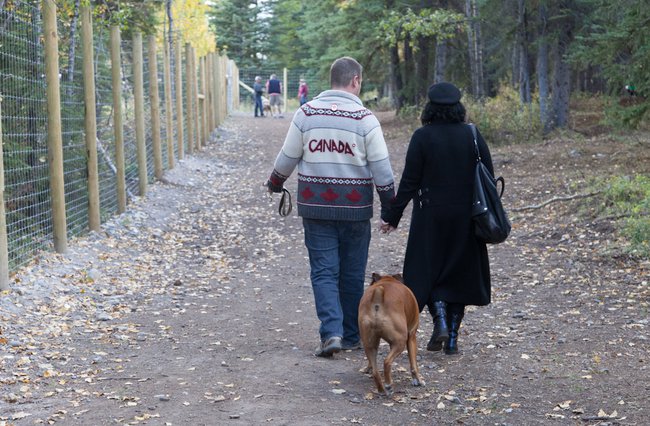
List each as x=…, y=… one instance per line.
x=340, y=152
x=274, y=90
x=259, y=90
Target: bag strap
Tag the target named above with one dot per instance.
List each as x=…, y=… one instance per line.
x=476, y=151
x=478, y=160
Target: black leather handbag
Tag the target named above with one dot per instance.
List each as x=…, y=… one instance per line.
x=491, y=223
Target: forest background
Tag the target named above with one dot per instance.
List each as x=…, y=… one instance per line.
x=530, y=70
x=526, y=67
x=534, y=54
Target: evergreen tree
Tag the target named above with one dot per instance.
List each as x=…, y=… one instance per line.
x=240, y=30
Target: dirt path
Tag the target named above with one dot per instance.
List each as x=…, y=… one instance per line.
x=195, y=308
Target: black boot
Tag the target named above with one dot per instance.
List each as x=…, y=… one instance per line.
x=455, y=314
x=440, y=333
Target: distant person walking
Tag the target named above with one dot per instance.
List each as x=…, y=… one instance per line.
x=274, y=90
x=339, y=149
x=259, y=91
x=303, y=91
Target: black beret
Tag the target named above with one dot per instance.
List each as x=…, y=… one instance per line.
x=444, y=94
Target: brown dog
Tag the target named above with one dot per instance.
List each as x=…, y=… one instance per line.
x=388, y=310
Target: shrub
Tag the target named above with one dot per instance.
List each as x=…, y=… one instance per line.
x=503, y=120
x=627, y=112
x=629, y=198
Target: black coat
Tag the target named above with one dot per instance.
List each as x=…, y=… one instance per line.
x=443, y=261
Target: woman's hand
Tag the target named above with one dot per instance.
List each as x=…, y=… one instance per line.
x=385, y=227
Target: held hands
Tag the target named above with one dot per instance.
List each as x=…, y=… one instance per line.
x=385, y=228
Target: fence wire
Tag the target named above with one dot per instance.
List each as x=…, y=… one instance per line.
x=72, y=122
x=24, y=125
x=106, y=162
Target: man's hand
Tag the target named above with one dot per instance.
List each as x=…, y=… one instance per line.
x=273, y=188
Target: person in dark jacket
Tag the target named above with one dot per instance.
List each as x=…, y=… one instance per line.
x=445, y=266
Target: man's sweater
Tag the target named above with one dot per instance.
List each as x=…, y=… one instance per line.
x=340, y=152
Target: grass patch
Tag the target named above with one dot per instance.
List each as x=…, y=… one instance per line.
x=628, y=199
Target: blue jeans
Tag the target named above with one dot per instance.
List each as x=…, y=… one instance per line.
x=258, y=105
x=338, y=254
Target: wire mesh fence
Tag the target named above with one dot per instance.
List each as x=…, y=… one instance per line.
x=23, y=91
x=24, y=115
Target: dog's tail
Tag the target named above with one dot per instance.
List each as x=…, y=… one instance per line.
x=378, y=297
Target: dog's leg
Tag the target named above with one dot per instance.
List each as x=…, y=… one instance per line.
x=412, y=347
x=396, y=348
x=371, y=354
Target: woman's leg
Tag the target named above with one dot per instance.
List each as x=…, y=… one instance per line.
x=455, y=314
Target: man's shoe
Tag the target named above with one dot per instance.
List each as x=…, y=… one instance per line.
x=351, y=346
x=329, y=347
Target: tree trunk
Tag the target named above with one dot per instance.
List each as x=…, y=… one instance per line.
x=441, y=61
x=422, y=69
x=170, y=40
x=522, y=37
x=475, y=49
x=73, y=47
x=561, y=89
x=471, y=47
x=422, y=61
x=441, y=53
x=479, y=52
x=407, y=92
x=396, y=77
x=542, y=69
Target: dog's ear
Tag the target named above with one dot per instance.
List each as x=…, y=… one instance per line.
x=375, y=277
x=399, y=278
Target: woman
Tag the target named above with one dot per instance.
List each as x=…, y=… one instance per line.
x=303, y=91
x=445, y=266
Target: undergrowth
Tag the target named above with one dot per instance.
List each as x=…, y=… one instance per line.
x=628, y=198
x=502, y=119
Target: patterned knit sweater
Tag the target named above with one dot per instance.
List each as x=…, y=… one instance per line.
x=341, y=155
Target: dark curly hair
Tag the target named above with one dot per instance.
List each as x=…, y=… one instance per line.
x=437, y=113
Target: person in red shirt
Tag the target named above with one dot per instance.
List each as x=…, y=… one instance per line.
x=303, y=91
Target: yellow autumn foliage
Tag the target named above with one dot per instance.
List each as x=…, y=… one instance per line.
x=191, y=22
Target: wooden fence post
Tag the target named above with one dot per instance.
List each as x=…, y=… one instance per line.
x=54, y=135
x=195, y=97
x=4, y=245
x=209, y=70
x=204, y=104
x=224, y=79
x=188, y=98
x=213, y=83
x=235, y=86
x=284, y=89
x=94, y=221
x=219, y=96
x=169, y=130
x=179, y=100
x=154, y=100
x=138, y=95
x=118, y=126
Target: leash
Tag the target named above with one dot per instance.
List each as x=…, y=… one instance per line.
x=285, y=207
